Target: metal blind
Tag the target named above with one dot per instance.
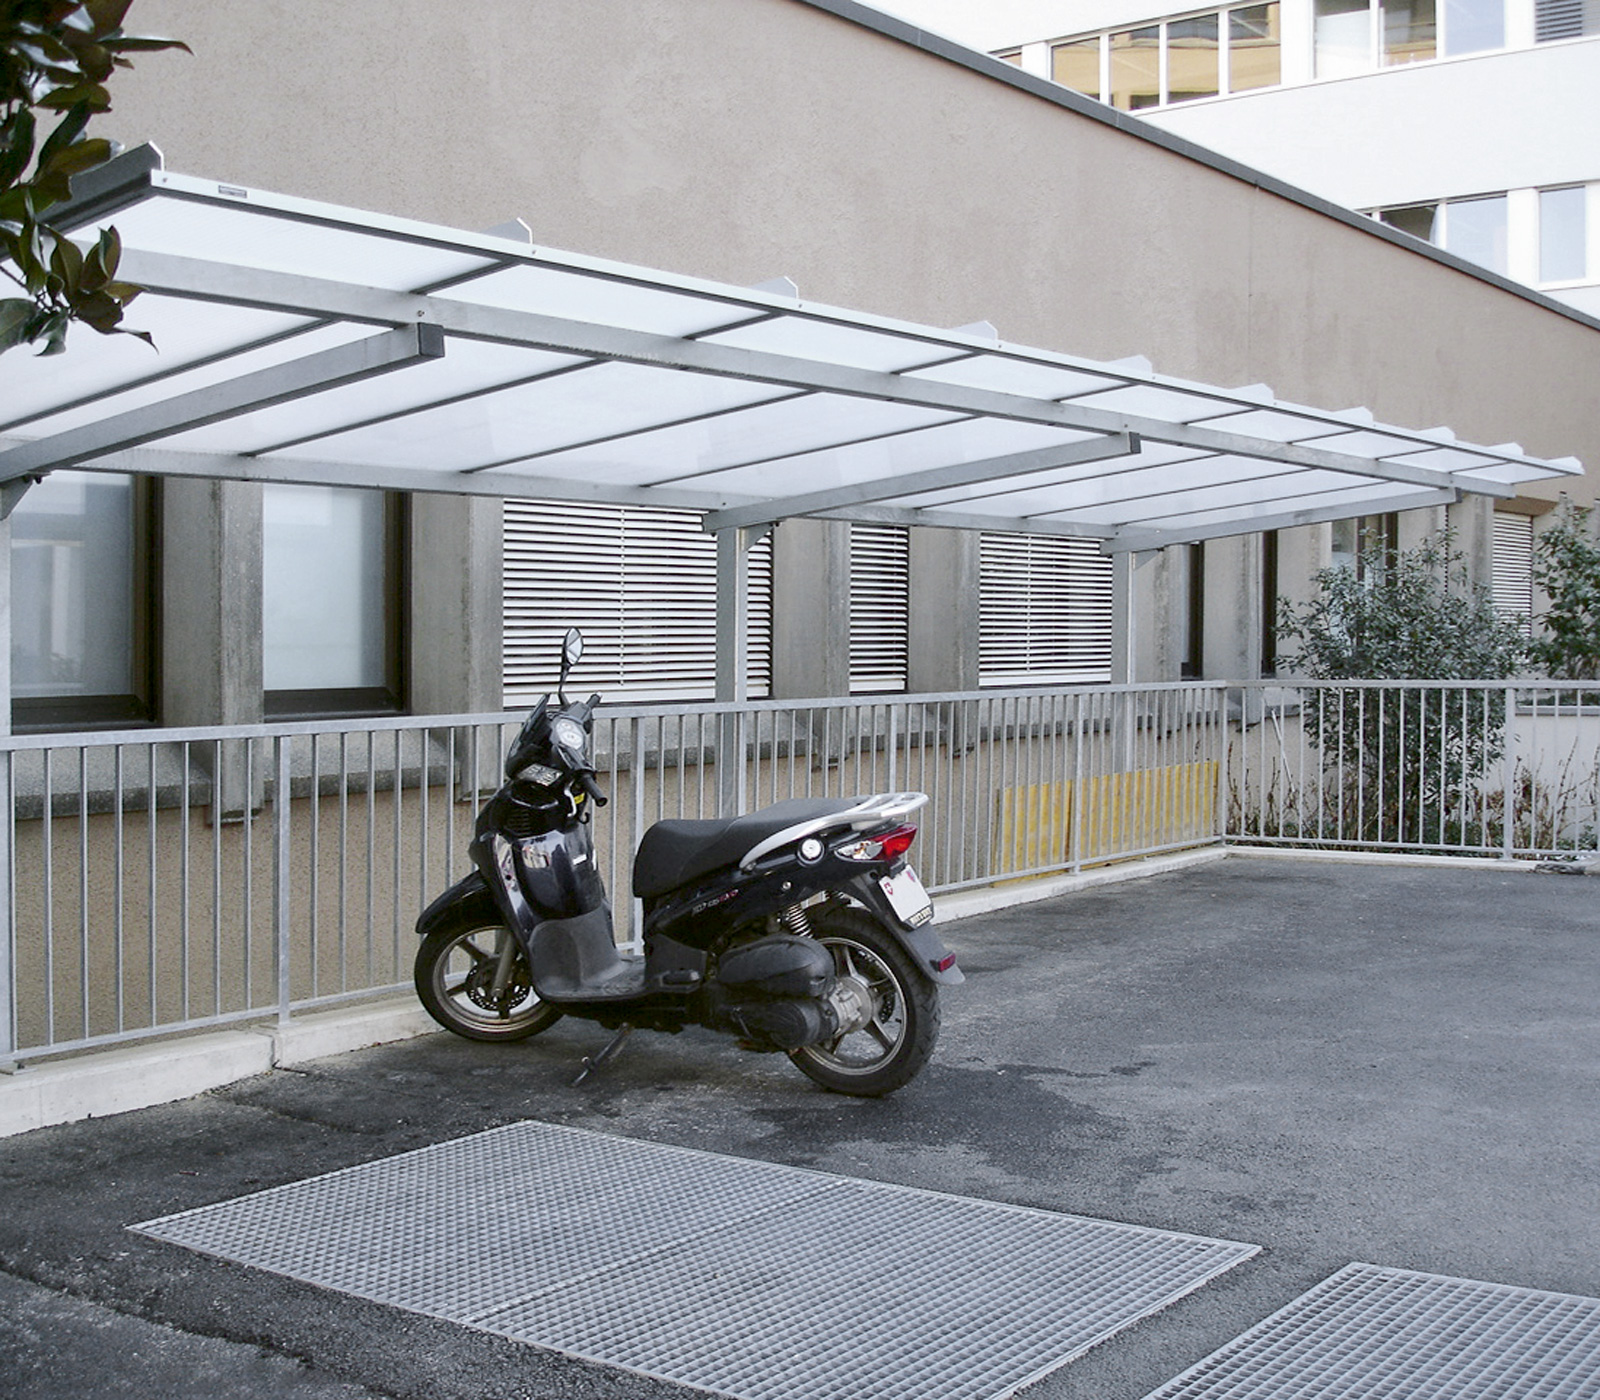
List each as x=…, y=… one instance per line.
x=641, y=583
x=1565, y=19
x=880, y=608
x=1044, y=610
x=1513, y=564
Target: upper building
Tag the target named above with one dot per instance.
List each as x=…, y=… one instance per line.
x=1471, y=124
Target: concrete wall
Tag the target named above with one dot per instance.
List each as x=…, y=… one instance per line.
x=744, y=139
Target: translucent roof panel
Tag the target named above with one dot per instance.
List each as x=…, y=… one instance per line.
x=302, y=341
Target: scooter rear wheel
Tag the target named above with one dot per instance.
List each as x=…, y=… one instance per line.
x=455, y=974
x=898, y=1040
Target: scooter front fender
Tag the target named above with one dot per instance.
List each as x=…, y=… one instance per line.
x=927, y=949
x=469, y=896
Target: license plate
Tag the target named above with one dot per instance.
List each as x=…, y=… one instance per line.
x=907, y=898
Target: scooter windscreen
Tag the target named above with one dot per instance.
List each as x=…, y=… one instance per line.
x=532, y=739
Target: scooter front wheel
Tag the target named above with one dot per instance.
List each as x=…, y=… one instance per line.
x=457, y=971
x=898, y=1036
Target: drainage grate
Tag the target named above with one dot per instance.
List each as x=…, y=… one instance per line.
x=745, y=1278
x=1368, y=1332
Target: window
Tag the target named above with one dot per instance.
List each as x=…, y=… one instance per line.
x=1180, y=60
x=1419, y=220
x=880, y=608
x=1565, y=19
x=82, y=591
x=1475, y=229
x=1077, y=65
x=330, y=601
x=1269, y=603
x=1410, y=31
x=641, y=583
x=1136, y=69
x=1255, y=48
x=1513, y=565
x=1342, y=38
x=1044, y=610
x=1563, y=234
x=1192, y=53
x=1192, y=665
x=1471, y=26
x=1363, y=541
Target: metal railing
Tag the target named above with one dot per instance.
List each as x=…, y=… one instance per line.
x=167, y=880
x=1454, y=767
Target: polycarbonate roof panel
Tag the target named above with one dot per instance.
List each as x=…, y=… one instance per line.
x=779, y=431
x=301, y=341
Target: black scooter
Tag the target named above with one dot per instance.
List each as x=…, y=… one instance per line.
x=800, y=928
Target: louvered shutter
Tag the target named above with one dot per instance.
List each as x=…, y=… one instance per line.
x=1565, y=19
x=640, y=582
x=1044, y=608
x=1513, y=564
x=880, y=608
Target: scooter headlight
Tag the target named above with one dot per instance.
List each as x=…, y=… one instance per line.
x=568, y=734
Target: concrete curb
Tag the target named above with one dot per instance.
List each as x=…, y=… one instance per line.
x=163, y=1071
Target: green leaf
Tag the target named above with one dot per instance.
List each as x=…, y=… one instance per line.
x=15, y=314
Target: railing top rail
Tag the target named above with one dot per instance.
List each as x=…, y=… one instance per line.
x=105, y=738
x=1315, y=683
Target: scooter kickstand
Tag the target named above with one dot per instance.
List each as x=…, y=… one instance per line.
x=609, y=1053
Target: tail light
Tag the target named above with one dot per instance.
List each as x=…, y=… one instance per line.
x=885, y=846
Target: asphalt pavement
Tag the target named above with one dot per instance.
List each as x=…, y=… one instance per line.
x=1338, y=1062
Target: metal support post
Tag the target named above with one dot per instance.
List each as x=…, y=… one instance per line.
x=733, y=654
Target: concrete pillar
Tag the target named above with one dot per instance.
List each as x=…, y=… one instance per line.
x=810, y=609
x=944, y=611
x=457, y=605
x=1233, y=608
x=210, y=602
x=1471, y=524
x=210, y=665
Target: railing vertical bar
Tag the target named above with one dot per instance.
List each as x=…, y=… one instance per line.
x=314, y=873
x=1508, y=834
x=84, y=970
x=424, y=815
x=150, y=888
x=370, y=882
x=282, y=962
x=117, y=853
x=185, y=971
x=344, y=858
x=249, y=871
x=48, y=875
x=398, y=829
x=9, y=1000
x=216, y=877
x=1076, y=804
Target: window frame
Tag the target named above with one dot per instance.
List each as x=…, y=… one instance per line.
x=138, y=708
x=391, y=697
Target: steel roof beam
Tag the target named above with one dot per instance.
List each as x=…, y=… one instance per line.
x=295, y=379
x=839, y=498
x=202, y=280
x=1130, y=541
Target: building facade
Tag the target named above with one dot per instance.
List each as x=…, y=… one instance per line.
x=875, y=165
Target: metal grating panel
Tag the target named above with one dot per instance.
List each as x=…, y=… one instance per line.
x=1368, y=1332
x=739, y=1277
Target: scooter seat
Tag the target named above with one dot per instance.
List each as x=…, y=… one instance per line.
x=674, y=853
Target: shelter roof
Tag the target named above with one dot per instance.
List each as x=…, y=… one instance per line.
x=303, y=342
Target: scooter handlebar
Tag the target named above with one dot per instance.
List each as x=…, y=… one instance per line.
x=585, y=780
